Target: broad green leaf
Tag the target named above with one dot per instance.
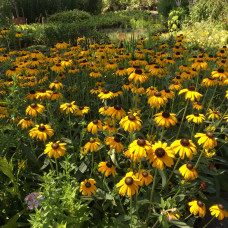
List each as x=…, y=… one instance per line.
x=12, y=223
x=180, y=224
x=7, y=168
x=163, y=176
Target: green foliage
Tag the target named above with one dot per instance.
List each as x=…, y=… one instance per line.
x=62, y=205
x=69, y=16
x=209, y=9
x=175, y=18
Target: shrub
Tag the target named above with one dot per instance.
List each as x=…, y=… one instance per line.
x=175, y=18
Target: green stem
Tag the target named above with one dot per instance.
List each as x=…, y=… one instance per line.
x=131, y=211
x=92, y=164
x=199, y=159
x=56, y=164
x=173, y=169
x=121, y=205
x=162, y=133
x=204, y=96
x=187, y=217
x=209, y=222
x=182, y=118
x=193, y=128
x=212, y=97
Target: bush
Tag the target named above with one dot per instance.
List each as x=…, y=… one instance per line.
x=69, y=16
x=175, y=18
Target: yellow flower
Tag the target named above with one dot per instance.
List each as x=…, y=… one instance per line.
x=197, y=207
x=56, y=84
x=218, y=211
x=196, y=118
x=116, y=112
x=19, y=35
x=88, y=187
x=114, y=143
x=56, y=149
x=129, y=184
x=145, y=177
x=94, y=126
x=107, y=168
x=165, y=118
x=34, y=108
x=190, y=93
x=62, y=45
x=80, y=111
x=188, y=171
x=213, y=114
x=110, y=127
x=92, y=145
x=210, y=81
x=43, y=94
x=220, y=74
x=131, y=123
x=200, y=64
x=103, y=110
x=68, y=107
x=26, y=123
x=161, y=154
x=106, y=94
x=138, y=76
x=197, y=105
x=157, y=100
x=184, y=147
x=208, y=140
x=41, y=132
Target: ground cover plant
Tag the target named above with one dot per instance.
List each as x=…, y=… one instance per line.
x=131, y=134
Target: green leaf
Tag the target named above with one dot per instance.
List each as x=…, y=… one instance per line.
x=180, y=197
x=82, y=167
x=180, y=224
x=46, y=163
x=163, y=176
x=123, y=218
x=7, y=168
x=12, y=223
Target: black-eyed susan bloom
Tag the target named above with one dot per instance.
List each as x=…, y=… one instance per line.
x=145, y=177
x=209, y=81
x=56, y=84
x=34, y=108
x=103, y=110
x=165, y=118
x=55, y=150
x=110, y=127
x=68, y=107
x=214, y=114
x=196, y=118
x=220, y=74
x=184, y=147
x=197, y=105
x=161, y=154
x=138, y=149
x=107, y=168
x=94, y=125
x=116, y=112
x=131, y=123
x=43, y=94
x=188, y=171
x=200, y=64
x=41, y=132
x=218, y=211
x=105, y=94
x=157, y=100
x=129, y=184
x=197, y=207
x=82, y=110
x=207, y=139
x=88, y=187
x=26, y=123
x=191, y=94
x=114, y=143
x=92, y=145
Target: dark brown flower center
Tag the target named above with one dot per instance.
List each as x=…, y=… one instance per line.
x=160, y=152
x=200, y=203
x=129, y=180
x=55, y=145
x=209, y=135
x=33, y=105
x=145, y=174
x=220, y=70
x=167, y=90
x=131, y=117
x=109, y=164
x=88, y=185
x=191, y=88
x=199, y=60
x=81, y=107
x=211, y=78
x=141, y=142
x=184, y=142
x=92, y=140
x=68, y=105
x=221, y=207
x=32, y=92
x=58, y=65
x=42, y=90
x=95, y=121
x=106, y=91
x=117, y=107
x=157, y=94
x=189, y=166
x=166, y=114
x=41, y=128
x=110, y=125
x=117, y=139
x=27, y=118
x=196, y=114
x=56, y=82
x=138, y=71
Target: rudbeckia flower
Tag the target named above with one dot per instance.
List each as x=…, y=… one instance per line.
x=95, y=74
x=157, y=100
x=55, y=96
x=131, y=123
x=56, y=149
x=197, y=105
x=56, y=84
x=175, y=86
x=197, y=207
x=68, y=107
x=188, y=171
x=214, y=114
x=218, y=211
x=168, y=93
x=210, y=81
x=161, y=154
x=196, y=118
x=106, y=94
x=88, y=187
x=165, y=118
x=62, y=45
x=200, y=64
x=26, y=123
x=220, y=74
x=80, y=111
x=41, y=132
x=110, y=127
x=107, y=168
x=58, y=68
x=94, y=126
x=208, y=140
x=145, y=177
x=34, y=108
x=92, y=145
x=103, y=110
x=43, y=94
x=116, y=112
x=129, y=184
x=150, y=91
x=114, y=143
x=184, y=147
x=190, y=93
x=138, y=76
